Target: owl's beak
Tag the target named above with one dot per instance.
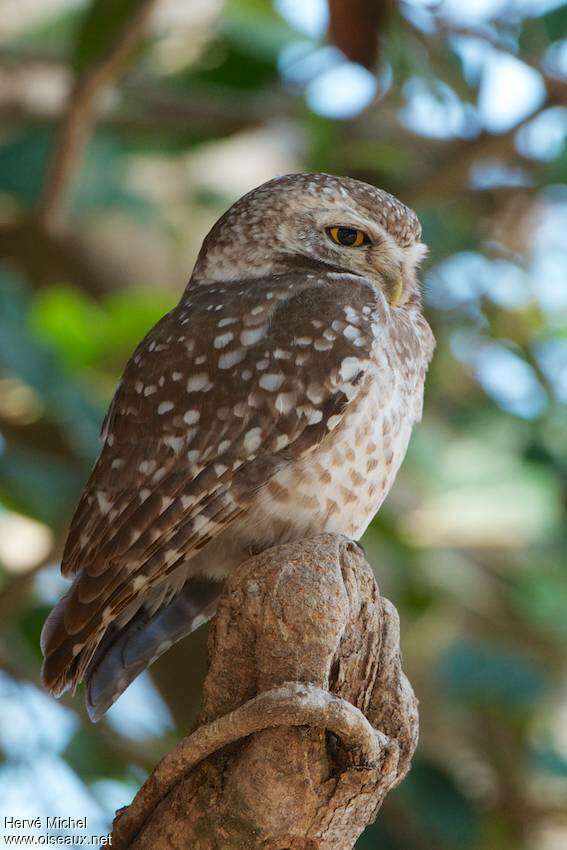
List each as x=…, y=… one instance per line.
x=394, y=287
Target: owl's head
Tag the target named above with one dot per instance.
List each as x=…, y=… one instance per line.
x=316, y=222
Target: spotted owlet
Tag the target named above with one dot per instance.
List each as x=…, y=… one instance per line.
x=274, y=402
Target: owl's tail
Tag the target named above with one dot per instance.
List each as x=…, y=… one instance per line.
x=125, y=652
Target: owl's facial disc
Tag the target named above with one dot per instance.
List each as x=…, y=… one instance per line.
x=355, y=242
x=353, y=238
x=316, y=221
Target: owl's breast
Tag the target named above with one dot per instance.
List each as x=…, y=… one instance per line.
x=340, y=486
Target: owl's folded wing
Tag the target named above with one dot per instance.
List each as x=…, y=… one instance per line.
x=227, y=389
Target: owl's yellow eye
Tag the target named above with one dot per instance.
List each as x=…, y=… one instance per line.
x=348, y=237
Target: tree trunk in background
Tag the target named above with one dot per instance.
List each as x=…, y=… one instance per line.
x=307, y=719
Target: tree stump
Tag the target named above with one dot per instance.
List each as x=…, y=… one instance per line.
x=307, y=719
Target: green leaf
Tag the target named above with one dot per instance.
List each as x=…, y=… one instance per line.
x=555, y=23
x=32, y=362
x=102, y=25
x=244, y=53
x=69, y=321
x=542, y=598
x=38, y=485
x=130, y=315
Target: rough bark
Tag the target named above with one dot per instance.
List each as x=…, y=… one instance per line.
x=307, y=719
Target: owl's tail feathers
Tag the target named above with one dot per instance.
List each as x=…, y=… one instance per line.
x=57, y=672
x=110, y=659
x=124, y=653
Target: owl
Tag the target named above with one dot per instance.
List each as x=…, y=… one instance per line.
x=274, y=402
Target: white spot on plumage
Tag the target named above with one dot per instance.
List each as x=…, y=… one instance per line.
x=281, y=442
x=240, y=409
x=271, y=381
x=150, y=389
x=174, y=443
x=223, y=340
x=146, y=467
x=231, y=358
x=350, y=332
x=191, y=416
x=176, y=376
x=315, y=393
x=253, y=335
x=285, y=402
x=313, y=416
x=199, y=522
x=350, y=367
x=197, y=382
x=352, y=315
x=139, y=582
x=252, y=440
x=104, y=503
x=165, y=407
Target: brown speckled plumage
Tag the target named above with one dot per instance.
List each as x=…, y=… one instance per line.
x=275, y=401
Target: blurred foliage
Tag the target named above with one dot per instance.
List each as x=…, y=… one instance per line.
x=471, y=544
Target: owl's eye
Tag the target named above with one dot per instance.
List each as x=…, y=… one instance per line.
x=348, y=237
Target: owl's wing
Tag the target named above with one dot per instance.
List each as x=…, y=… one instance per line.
x=228, y=388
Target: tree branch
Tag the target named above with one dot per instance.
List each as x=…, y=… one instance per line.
x=80, y=116
x=298, y=742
